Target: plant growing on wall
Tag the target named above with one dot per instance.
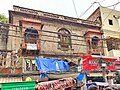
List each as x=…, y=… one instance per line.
x=3, y=18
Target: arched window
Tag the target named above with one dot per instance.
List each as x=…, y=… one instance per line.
x=31, y=35
x=94, y=42
x=64, y=39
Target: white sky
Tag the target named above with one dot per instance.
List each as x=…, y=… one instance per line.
x=62, y=7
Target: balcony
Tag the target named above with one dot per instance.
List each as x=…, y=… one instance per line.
x=113, y=46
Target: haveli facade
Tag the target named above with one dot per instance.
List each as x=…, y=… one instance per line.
x=34, y=33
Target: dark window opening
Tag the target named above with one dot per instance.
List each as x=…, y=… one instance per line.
x=94, y=42
x=113, y=45
x=110, y=22
x=31, y=35
x=31, y=65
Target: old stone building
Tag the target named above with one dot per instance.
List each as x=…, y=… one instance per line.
x=110, y=26
x=36, y=33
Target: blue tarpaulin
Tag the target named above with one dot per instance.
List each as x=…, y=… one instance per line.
x=51, y=65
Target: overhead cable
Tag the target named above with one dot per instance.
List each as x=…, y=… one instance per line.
x=111, y=10
x=54, y=36
x=89, y=8
x=75, y=8
x=113, y=4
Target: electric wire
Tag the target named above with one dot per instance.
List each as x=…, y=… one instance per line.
x=52, y=32
x=114, y=6
x=89, y=8
x=48, y=31
x=52, y=40
x=55, y=36
x=75, y=8
x=39, y=39
x=86, y=10
x=47, y=35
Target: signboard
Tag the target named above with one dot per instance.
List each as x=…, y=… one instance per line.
x=18, y=86
x=31, y=46
x=91, y=63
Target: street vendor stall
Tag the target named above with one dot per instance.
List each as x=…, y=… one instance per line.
x=56, y=84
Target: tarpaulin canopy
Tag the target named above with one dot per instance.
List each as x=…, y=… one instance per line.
x=51, y=65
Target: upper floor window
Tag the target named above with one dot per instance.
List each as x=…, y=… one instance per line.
x=94, y=42
x=31, y=35
x=110, y=22
x=64, y=39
